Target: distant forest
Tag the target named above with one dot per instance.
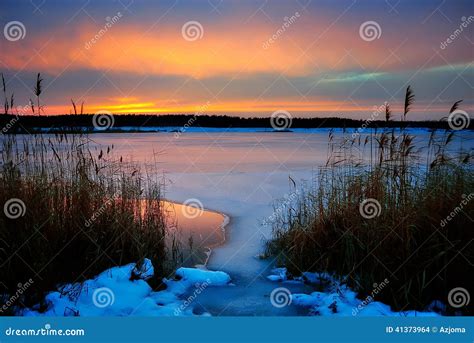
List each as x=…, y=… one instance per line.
x=84, y=123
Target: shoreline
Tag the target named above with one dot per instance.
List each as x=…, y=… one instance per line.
x=225, y=222
x=180, y=123
x=225, y=232
x=180, y=130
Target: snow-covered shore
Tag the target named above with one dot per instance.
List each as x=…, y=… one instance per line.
x=337, y=299
x=116, y=293
x=124, y=291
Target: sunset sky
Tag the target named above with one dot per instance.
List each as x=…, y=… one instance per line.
x=321, y=64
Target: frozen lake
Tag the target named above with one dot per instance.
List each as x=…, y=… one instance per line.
x=240, y=174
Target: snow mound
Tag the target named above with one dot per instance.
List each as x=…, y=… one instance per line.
x=279, y=274
x=145, y=271
x=123, y=291
x=338, y=299
x=282, y=274
x=344, y=302
x=194, y=275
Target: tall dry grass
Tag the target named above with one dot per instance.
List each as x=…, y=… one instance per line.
x=84, y=211
x=409, y=240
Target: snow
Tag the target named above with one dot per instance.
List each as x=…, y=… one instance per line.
x=337, y=299
x=145, y=271
x=279, y=274
x=345, y=303
x=193, y=275
x=115, y=292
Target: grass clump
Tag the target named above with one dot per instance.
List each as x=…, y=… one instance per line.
x=384, y=208
x=78, y=212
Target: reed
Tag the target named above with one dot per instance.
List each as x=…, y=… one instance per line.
x=74, y=107
x=38, y=90
x=407, y=238
x=8, y=104
x=85, y=211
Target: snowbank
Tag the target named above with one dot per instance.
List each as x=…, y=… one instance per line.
x=123, y=291
x=337, y=299
x=197, y=275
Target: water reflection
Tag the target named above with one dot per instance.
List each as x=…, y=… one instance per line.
x=197, y=234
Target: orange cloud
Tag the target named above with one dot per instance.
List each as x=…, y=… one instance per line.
x=309, y=45
x=165, y=52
